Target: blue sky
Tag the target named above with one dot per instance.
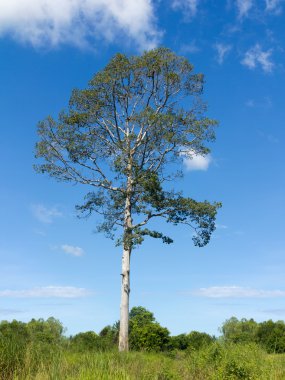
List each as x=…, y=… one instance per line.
x=52, y=263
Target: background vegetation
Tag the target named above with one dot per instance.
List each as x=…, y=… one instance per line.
x=40, y=350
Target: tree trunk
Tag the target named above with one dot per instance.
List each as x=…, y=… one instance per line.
x=127, y=244
x=125, y=292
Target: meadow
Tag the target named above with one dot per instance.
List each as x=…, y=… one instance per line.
x=217, y=361
x=40, y=350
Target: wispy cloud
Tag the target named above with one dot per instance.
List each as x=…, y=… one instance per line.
x=72, y=250
x=243, y=7
x=221, y=226
x=193, y=161
x=47, y=292
x=44, y=214
x=265, y=102
x=273, y=6
x=222, y=50
x=189, y=7
x=255, y=57
x=79, y=22
x=237, y=292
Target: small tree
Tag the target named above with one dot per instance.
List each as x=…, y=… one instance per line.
x=109, y=336
x=198, y=340
x=239, y=331
x=146, y=334
x=141, y=316
x=121, y=136
x=271, y=335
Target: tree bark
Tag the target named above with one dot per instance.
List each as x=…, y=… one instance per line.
x=125, y=288
x=125, y=292
x=127, y=244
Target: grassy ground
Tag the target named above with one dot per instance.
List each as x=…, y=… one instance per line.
x=216, y=362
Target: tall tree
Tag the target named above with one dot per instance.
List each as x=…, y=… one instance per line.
x=122, y=136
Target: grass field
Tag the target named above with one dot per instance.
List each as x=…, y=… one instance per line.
x=216, y=362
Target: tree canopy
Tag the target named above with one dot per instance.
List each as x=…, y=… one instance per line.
x=121, y=135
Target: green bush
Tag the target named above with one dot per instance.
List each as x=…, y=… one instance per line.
x=109, y=337
x=195, y=340
x=239, y=331
x=14, y=339
x=37, y=350
x=141, y=316
x=46, y=332
x=87, y=341
x=198, y=340
x=150, y=337
x=24, y=345
x=271, y=335
x=220, y=361
x=179, y=342
x=145, y=333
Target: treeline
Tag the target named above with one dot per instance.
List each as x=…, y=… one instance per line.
x=146, y=334
x=269, y=335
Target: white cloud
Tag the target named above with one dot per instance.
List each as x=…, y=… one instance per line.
x=244, y=6
x=222, y=50
x=187, y=6
x=273, y=6
x=47, y=292
x=221, y=226
x=255, y=56
x=44, y=214
x=78, y=22
x=195, y=161
x=72, y=250
x=237, y=292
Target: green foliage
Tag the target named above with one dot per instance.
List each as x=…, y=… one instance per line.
x=145, y=333
x=106, y=340
x=198, y=340
x=87, y=341
x=237, y=362
x=141, y=316
x=14, y=339
x=219, y=361
x=49, y=331
x=239, y=331
x=179, y=342
x=119, y=137
x=24, y=345
x=271, y=335
x=195, y=340
x=150, y=337
x=20, y=357
x=109, y=337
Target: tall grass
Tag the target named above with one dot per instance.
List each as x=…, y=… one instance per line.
x=215, y=362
